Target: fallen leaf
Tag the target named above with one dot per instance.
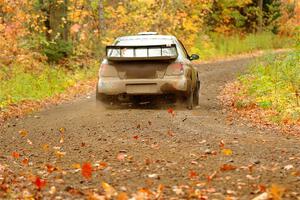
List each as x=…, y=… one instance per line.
x=193, y=174
x=222, y=144
x=50, y=168
x=171, y=133
x=121, y=156
x=76, y=166
x=61, y=140
x=40, y=183
x=263, y=196
x=144, y=193
x=262, y=188
x=62, y=130
x=52, y=190
x=23, y=133
x=122, y=196
x=210, y=178
x=25, y=161
x=136, y=137
x=29, y=142
x=227, y=167
x=102, y=165
x=109, y=190
x=60, y=154
x=227, y=152
x=288, y=167
x=159, y=192
x=86, y=170
x=45, y=147
x=171, y=111
x=276, y=192
x=15, y=155
x=155, y=176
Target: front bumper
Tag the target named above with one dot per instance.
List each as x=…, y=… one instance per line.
x=116, y=86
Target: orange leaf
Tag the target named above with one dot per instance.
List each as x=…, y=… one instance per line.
x=25, y=161
x=276, y=192
x=40, y=183
x=45, y=147
x=50, y=168
x=102, y=165
x=122, y=196
x=23, y=133
x=86, y=170
x=15, y=155
x=227, y=167
x=222, y=144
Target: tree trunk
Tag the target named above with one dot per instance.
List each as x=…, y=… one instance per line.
x=260, y=4
x=58, y=20
x=101, y=17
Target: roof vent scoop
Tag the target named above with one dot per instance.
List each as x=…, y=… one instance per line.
x=148, y=33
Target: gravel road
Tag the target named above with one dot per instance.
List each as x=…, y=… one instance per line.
x=193, y=154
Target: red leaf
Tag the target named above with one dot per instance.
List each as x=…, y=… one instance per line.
x=171, y=111
x=40, y=183
x=15, y=155
x=86, y=170
x=227, y=167
x=136, y=137
x=193, y=174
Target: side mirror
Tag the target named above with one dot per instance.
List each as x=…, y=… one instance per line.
x=194, y=57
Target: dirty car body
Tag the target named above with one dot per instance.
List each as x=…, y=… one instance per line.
x=148, y=65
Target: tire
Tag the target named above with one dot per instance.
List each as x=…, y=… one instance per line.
x=197, y=94
x=190, y=99
x=102, y=98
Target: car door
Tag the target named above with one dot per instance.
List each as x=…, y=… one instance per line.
x=192, y=71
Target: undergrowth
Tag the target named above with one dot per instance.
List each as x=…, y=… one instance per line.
x=17, y=83
x=274, y=83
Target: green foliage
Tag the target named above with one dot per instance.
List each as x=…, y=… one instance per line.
x=275, y=82
x=57, y=50
x=216, y=45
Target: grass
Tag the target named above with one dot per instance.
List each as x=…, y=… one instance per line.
x=274, y=82
x=18, y=84
x=216, y=45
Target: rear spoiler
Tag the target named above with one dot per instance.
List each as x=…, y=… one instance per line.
x=139, y=53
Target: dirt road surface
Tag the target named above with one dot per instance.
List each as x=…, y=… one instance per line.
x=193, y=154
